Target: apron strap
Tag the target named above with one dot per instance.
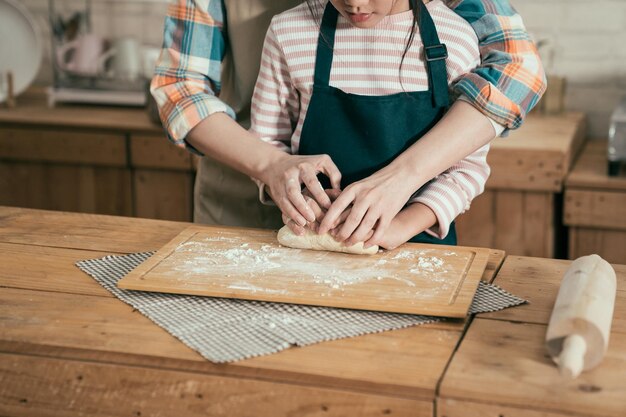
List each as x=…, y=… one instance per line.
x=435, y=54
x=325, y=45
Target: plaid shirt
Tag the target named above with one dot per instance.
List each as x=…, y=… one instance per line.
x=507, y=85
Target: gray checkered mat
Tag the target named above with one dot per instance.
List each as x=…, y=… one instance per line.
x=227, y=330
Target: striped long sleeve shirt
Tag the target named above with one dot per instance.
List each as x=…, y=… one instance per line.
x=505, y=87
x=365, y=62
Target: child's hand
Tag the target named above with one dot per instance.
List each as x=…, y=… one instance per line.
x=411, y=221
x=375, y=201
x=285, y=176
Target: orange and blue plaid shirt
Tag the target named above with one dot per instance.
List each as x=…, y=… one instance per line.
x=505, y=87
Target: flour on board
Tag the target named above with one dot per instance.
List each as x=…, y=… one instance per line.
x=249, y=265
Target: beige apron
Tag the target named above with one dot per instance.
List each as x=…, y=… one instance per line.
x=223, y=195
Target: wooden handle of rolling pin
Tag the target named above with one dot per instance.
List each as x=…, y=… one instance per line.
x=578, y=332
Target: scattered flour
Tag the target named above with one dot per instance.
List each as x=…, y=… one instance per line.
x=251, y=266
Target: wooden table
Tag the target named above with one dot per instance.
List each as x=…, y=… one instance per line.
x=595, y=207
x=67, y=347
x=92, y=159
x=520, y=210
x=502, y=369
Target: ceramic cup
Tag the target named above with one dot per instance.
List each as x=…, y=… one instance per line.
x=83, y=56
x=126, y=59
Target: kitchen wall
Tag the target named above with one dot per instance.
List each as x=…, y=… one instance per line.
x=587, y=43
x=588, y=47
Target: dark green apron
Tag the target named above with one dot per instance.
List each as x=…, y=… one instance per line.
x=362, y=134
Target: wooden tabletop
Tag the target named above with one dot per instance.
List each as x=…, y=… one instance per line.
x=67, y=347
x=502, y=367
x=537, y=156
x=32, y=109
x=590, y=170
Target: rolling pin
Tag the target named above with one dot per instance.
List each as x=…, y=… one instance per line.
x=578, y=332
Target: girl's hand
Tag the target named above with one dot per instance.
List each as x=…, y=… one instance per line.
x=375, y=201
x=284, y=179
x=411, y=221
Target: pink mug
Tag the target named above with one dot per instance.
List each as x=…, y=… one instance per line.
x=83, y=56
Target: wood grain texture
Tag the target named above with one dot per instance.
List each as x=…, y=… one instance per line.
x=66, y=146
x=406, y=362
x=595, y=209
x=465, y=408
x=519, y=222
x=250, y=264
x=538, y=280
x=88, y=189
x=155, y=151
x=607, y=243
x=34, y=111
x=590, y=170
x=166, y=195
x=537, y=156
x=47, y=269
x=85, y=231
x=511, y=360
x=50, y=387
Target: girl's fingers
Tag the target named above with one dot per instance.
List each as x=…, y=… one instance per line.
x=365, y=229
x=295, y=197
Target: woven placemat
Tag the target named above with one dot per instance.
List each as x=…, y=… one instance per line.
x=227, y=330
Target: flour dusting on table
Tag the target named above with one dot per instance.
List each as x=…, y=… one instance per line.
x=253, y=268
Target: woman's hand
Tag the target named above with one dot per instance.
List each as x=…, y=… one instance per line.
x=284, y=178
x=317, y=210
x=375, y=201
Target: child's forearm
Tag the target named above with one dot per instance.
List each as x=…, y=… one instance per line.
x=410, y=221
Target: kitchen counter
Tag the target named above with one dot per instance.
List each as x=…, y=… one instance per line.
x=595, y=206
x=67, y=347
x=520, y=210
x=92, y=159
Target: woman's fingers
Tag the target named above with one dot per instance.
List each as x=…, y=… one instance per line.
x=352, y=222
x=295, y=228
x=314, y=188
x=379, y=233
x=365, y=229
x=294, y=194
x=336, y=208
x=328, y=167
x=288, y=209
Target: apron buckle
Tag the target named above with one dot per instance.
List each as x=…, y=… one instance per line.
x=435, y=52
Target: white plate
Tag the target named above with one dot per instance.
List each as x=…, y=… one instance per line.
x=20, y=47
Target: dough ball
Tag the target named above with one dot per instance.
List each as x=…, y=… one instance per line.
x=311, y=240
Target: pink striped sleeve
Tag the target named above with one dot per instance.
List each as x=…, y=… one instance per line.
x=450, y=193
x=275, y=108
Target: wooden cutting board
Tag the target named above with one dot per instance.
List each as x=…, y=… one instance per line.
x=250, y=264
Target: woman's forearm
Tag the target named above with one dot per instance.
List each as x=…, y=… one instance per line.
x=461, y=131
x=224, y=140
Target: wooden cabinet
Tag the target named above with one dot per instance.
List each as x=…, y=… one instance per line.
x=520, y=210
x=94, y=160
x=595, y=207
